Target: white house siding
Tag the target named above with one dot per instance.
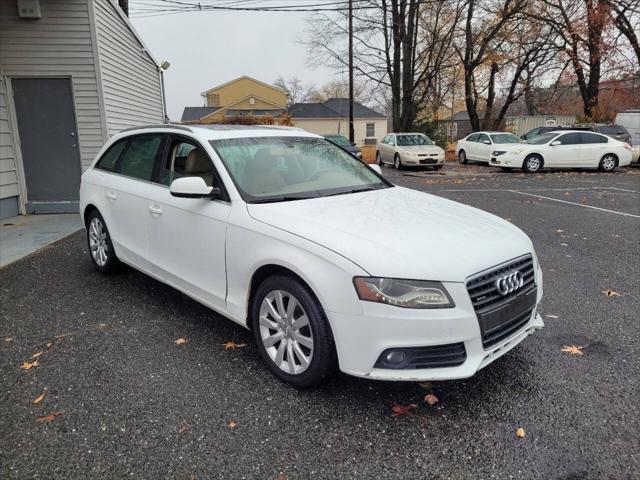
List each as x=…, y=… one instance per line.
x=333, y=126
x=8, y=174
x=57, y=45
x=130, y=78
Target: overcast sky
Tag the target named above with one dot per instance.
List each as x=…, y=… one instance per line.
x=209, y=48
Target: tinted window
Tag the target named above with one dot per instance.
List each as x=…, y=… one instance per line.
x=186, y=159
x=570, y=139
x=542, y=139
x=612, y=130
x=532, y=133
x=110, y=157
x=472, y=138
x=482, y=137
x=593, y=138
x=140, y=156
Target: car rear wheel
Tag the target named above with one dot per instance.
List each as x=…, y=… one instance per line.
x=608, y=163
x=532, y=164
x=292, y=332
x=397, y=162
x=379, y=159
x=100, y=246
x=462, y=156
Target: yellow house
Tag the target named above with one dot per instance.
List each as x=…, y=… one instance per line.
x=241, y=96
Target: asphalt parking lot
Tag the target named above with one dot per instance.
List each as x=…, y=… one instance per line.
x=122, y=399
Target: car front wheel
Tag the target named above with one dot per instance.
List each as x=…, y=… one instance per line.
x=379, y=159
x=397, y=162
x=608, y=163
x=292, y=332
x=462, y=156
x=100, y=246
x=532, y=164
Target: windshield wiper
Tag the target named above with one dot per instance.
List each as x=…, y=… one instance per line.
x=354, y=190
x=283, y=198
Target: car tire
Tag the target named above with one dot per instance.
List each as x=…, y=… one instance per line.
x=532, y=164
x=397, y=162
x=101, y=251
x=379, y=159
x=462, y=157
x=608, y=163
x=438, y=167
x=285, y=348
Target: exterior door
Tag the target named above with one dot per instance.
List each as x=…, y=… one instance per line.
x=49, y=143
x=592, y=149
x=482, y=151
x=187, y=235
x=388, y=149
x=567, y=154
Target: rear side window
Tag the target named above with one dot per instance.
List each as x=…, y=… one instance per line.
x=472, y=138
x=571, y=139
x=593, y=138
x=138, y=159
x=110, y=158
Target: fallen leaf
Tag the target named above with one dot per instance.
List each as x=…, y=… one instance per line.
x=8, y=339
x=431, y=399
x=38, y=399
x=551, y=316
x=281, y=476
x=62, y=335
x=48, y=418
x=520, y=432
x=402, y=409
x=183, y=428
x=610, y=293
x=27, y=366
x=231, y=424
x=231, y=345
x=181, y=341
x=49, y=344
x=37, y=354
x=559, y=231
x=572, y=350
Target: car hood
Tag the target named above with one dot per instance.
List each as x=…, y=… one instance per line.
x=506, y=147
x=401, y=233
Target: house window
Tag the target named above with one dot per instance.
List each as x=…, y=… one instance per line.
x=252, y=101
x=213, y=100
x=370, y=141
x=371, y=130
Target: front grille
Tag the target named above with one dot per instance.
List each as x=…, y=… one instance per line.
x=501, y=316
x=428, y=161
x=438, y=356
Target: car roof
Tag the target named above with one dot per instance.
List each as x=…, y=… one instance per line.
x=219, y=131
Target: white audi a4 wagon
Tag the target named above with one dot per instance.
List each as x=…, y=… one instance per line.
x=325, y=261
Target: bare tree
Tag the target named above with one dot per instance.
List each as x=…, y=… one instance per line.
x=295, y=89
x=337, y=89
x=626, y=16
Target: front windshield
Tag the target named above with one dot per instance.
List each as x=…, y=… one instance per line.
x=272, y=169
x=544, y=138
x=339, y=140
x=413, y=139
x=505, y=138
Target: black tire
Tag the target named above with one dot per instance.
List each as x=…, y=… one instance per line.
x=379, y=159
x=103, y=238
x=324, y=359
x=608, y=163
x=462, y=157
x=438, y=167
x=533, y=163
x=397, y=162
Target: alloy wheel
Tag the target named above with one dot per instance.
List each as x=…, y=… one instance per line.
x=608, y=163
x=462, y=157
x=98, y=244
x=533, y=163
x=285, y=332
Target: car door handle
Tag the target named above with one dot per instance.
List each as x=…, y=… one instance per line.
x=111, y=195
x=155, y=210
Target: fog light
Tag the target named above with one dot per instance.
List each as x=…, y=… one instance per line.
x=395, y=357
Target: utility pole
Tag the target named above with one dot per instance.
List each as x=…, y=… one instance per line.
x=351, y=132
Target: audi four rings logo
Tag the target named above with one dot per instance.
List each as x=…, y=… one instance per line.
x=509, y=283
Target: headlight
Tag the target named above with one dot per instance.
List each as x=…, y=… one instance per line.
x=497, y=153
x=403, y=293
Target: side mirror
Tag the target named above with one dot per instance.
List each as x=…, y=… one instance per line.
x=486, y=142
x=192, y=187
x=376, y=168
x=556, y=142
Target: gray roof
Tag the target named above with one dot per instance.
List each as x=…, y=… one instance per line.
x=192, y=114
x=332, y=108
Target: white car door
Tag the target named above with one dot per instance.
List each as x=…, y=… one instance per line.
x=390, y=149
x=564, y=151
x=483, y=148
x=382, y=147
x=125, y=191
x=592, y=149
x=187, y=235
x=467, y=145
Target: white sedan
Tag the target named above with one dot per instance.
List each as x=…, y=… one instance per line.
x=481, y=146
x=566, y=149
x=313, y=251
x=409, y=150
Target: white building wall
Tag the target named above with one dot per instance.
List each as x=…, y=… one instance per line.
x=333, y=126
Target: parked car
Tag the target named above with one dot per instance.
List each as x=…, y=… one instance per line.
x=409, y=150
x=611, y=130
x=630, y=120
x=344, y=142
x=566, y=149
x=480, y=146
x=534, y=132
x=313, y=251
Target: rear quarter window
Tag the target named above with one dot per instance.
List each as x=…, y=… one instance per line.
x=110, y=157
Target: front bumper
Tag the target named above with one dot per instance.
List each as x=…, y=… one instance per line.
x=422, y=161
x=361, y=340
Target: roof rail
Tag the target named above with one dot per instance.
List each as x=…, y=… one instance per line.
x=164, y=125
